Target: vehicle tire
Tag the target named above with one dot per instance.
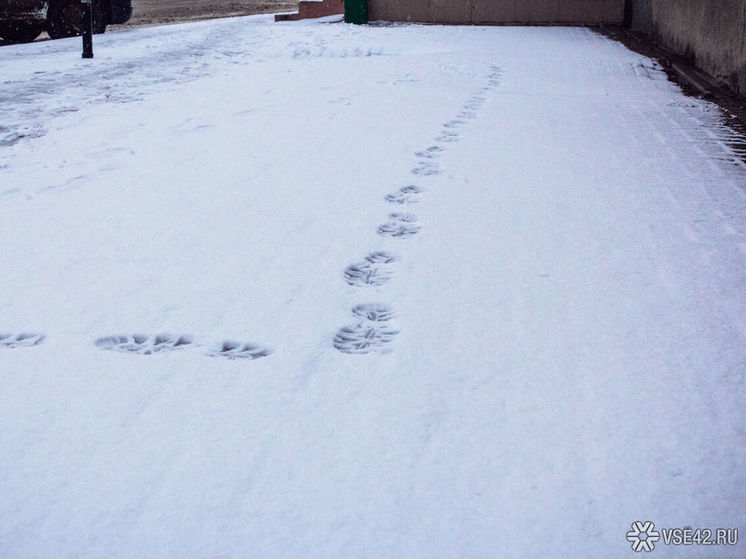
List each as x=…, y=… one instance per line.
x=100, y=17
x=64, y=19
x=99, y=26
x=20, y=33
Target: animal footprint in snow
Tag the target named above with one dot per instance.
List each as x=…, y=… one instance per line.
x=373, y=271
x=495, y=77
x=398, y=230
x=374, y=312
x=449, y=137
x=475, y=103
x=145, y=345
x=364, y=337
x=430, y=153
x=453, y=124
x=426, y=169
x=405, y=195
x=371, y=333
x=404, y=217
x=12, y=341
x=380, y=257
x=400, y=226
x=238, y=350
x=365, y=273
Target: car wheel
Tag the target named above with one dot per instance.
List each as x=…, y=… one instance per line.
x=65, y=19
x=20, y=33
x=100, y=18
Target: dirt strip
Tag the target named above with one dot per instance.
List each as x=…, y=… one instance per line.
x=156, y=12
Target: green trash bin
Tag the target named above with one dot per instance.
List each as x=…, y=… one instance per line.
x=356, y=11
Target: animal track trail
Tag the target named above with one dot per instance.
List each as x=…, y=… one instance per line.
x=405, y=195
x=371, y=333
x=145, y=345
x=238, y=350
x=400, y=226
x=374, y=270
x=14, y=341
x=451, y=129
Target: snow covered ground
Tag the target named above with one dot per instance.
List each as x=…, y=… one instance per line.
x=314, y=290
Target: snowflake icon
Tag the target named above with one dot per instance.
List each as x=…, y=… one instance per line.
x=643, y=536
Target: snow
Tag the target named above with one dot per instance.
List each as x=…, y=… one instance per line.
x=542, y=341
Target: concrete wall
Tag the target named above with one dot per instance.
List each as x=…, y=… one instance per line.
x=640, y=15
x=712, y=33
x=499, y=12
x=314, y=8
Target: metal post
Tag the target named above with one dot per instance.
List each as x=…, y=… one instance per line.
x=87, y=28
x=356, y=11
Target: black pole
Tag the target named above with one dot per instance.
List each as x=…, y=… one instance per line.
x=87, y=29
